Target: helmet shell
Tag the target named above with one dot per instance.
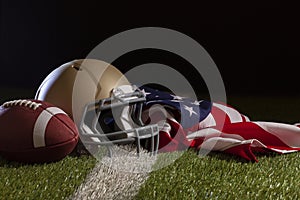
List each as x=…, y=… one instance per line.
x=74, y=84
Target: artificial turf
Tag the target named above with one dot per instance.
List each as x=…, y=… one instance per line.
x=56, y=180
x=220, y=176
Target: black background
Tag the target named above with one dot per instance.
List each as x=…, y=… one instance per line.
x=255, y=45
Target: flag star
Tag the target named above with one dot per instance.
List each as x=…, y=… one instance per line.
x=197, y=103
x=190, y=110
x=145, y=93
x=176, y=97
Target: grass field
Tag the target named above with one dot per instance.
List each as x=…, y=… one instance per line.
x=43, y=181
x=215, y=176
x=220, y=176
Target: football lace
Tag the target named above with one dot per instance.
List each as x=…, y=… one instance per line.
x=20, y=102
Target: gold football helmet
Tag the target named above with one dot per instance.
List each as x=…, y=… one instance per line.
x=106, y=108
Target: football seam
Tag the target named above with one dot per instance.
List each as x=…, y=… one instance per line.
x=74, y=133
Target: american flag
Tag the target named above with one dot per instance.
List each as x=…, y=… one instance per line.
x=186, y=123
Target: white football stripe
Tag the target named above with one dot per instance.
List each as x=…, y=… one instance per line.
x=233, y=114
x=41, y=125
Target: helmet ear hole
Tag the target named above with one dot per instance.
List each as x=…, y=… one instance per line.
x=106, y=122
x=108, y=125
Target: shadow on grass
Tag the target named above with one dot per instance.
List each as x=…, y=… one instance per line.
x=10, y=164
x=235, y=158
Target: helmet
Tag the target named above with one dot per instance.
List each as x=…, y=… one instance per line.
x=106, y=108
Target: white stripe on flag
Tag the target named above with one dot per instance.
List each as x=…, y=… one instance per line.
x=209, y=121
x=41, y=125
x=222, y=144
x=285, y=132
x=233, y=114
x=213, y=133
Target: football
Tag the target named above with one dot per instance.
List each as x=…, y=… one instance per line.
x=34, y=131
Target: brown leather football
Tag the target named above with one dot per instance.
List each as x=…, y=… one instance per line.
x=34, y=131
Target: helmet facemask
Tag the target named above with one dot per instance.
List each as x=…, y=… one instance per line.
x=118, y=120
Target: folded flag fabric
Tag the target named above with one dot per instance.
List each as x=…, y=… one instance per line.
x=212, y=126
